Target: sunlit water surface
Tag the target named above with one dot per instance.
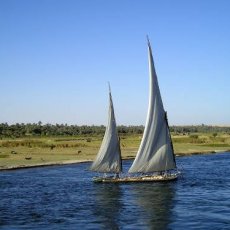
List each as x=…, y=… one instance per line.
x=64, y=197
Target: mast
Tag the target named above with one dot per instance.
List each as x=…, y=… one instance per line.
x=166, y=119
x=108, y=159
x=155, y=148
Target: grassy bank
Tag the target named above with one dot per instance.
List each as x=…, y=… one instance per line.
x=53, y=150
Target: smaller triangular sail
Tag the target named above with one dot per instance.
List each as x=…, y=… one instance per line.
x=155, y=152
x=108, y=159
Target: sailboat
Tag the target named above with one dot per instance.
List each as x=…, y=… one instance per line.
x=155, y=159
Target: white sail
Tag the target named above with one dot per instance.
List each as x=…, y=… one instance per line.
x=108, y=159
x=155, y=153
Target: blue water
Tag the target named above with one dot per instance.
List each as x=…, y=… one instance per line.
x=64, y=197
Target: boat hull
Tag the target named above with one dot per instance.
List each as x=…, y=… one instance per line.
x=142, y=179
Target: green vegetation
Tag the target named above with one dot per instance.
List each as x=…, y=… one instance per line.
x=37, y=144
x=199, y=129
x=185, y=144
x=38, y=129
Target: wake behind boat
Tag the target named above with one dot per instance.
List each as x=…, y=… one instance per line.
x=155, y=159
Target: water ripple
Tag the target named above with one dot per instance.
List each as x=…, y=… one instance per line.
x=64, y=197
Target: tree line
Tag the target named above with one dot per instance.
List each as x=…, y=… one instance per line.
x=199, y=129
x=38, y=129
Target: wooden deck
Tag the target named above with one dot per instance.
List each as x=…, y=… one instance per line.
x=158, y=178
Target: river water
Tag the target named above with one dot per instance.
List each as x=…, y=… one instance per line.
x=64, y=197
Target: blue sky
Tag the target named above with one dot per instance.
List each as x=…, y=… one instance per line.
x=56, y=57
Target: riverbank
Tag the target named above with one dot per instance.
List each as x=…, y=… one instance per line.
x=68, y=162
x=47, y=151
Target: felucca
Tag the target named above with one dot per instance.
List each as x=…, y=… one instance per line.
x=155, y=159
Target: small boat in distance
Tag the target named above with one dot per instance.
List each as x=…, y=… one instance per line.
x=155, y=159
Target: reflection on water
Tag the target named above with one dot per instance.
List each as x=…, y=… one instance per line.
x=155, y=202
x=107, y=205
x=117, y=202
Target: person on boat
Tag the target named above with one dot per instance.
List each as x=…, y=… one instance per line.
x=117, y=175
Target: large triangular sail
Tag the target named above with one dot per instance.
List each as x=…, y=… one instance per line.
x=155, y=153
x=108, y=159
